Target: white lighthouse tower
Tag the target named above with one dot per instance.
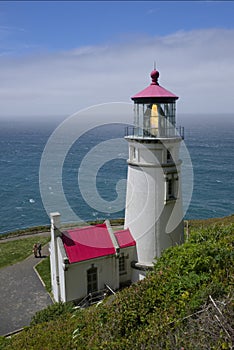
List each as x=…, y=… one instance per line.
x=153, y=202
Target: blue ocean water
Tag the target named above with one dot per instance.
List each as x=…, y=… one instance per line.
x=211, y=145
x=209, y=140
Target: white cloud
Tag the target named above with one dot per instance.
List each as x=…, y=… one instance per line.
x=197, y=65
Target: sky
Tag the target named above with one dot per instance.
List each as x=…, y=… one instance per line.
x=59, y=57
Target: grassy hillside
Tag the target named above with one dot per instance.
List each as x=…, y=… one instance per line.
x=14, y=251
x=185, y=303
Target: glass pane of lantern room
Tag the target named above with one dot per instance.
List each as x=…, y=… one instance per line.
x=146, y=119
x=141, y=119
x=154, y=119
x=169, y=118
x=138, y=119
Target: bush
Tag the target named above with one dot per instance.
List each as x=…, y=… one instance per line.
x=3, y=342
x=52, y=312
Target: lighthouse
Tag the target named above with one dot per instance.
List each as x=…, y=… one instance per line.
x=153, y=211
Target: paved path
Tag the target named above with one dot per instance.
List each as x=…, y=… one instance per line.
x=21, y=294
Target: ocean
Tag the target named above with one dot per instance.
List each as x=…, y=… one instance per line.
x=209, y=140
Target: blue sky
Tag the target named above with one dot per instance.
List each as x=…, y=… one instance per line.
x=64, y=25
x=58, y=57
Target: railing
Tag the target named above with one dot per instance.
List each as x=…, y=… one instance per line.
x=180, y=131
x=110, y=289
x=94, y=297
x=166, y=132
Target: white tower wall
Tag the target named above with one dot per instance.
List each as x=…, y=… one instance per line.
x=148, y=206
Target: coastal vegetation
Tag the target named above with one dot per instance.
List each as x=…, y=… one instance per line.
x=185, y=303
x=24, y=232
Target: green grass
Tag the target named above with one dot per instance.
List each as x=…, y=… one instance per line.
x=14, y=251
x=43, y=268
x=212, y=221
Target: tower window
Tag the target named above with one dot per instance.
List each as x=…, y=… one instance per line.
x=169, y=157
x=133, y=153
x=171, y=187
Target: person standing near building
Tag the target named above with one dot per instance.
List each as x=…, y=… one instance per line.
x=35, y=250
x=39, y=249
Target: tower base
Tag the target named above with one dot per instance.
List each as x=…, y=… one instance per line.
x=139, y=270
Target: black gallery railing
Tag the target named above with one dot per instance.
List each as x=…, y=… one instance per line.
x=164, y=132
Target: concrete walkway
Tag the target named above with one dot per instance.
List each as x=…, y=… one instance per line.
x=21, y=294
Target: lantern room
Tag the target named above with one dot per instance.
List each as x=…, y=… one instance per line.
x=154, y=112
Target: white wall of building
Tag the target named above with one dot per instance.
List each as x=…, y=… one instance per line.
x=76, y=276
x=55, y=223
x=130, y=256
x=62, y=258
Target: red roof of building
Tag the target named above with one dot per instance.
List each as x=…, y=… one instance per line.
x=87, y=243
x=93, y=242
x=154, y=90
x=124, y=238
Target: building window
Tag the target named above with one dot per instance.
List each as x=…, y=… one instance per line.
x=122, y=264
x=92, y=281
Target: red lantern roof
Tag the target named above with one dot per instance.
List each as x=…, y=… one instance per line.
x=154, y=91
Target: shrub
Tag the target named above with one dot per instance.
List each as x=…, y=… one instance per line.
x=3, y=342
x=52, y=312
